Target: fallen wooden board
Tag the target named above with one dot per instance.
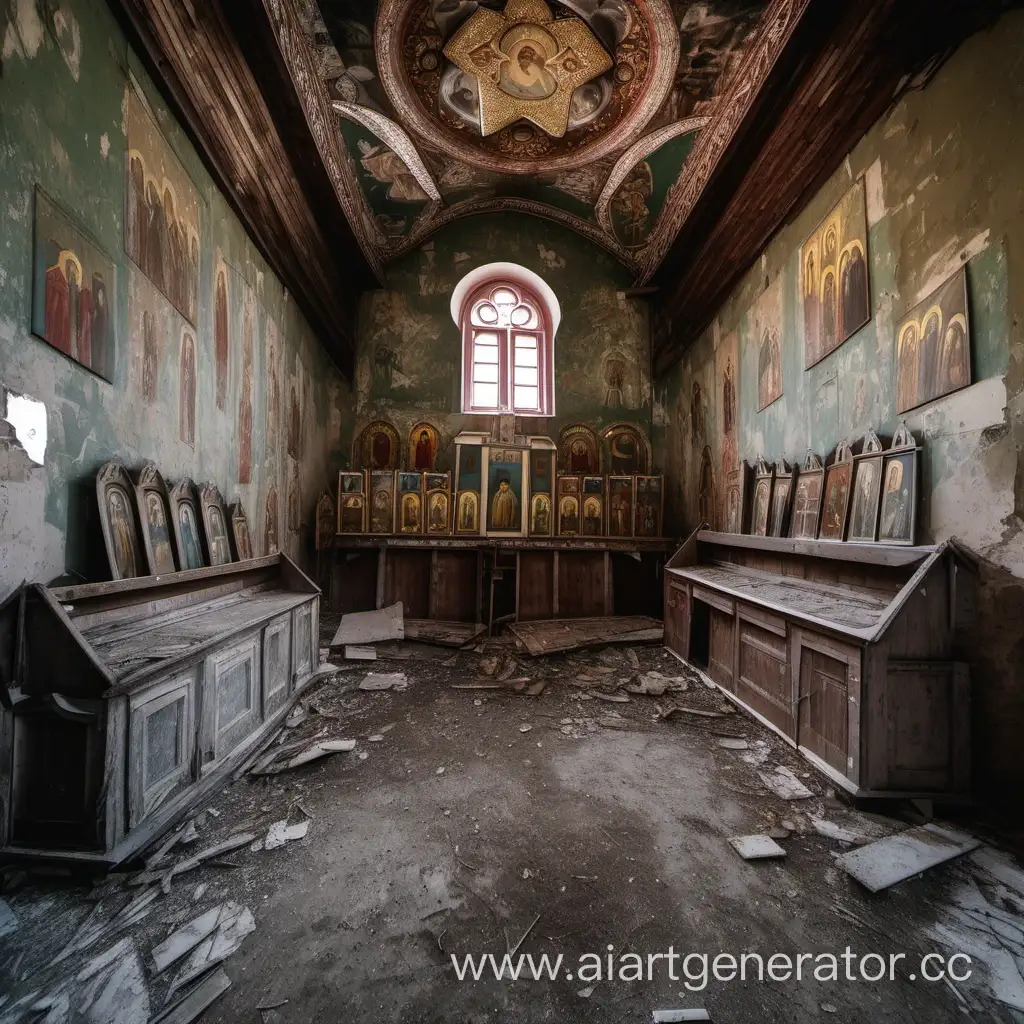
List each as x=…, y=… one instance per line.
x=366, y=627
x=897, y=858
x=192, y=1006
x=444, y=634
x=353, y=652
x=553, y=635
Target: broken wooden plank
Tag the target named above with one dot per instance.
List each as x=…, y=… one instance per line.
x=355, y=653
x=366, y=627
x=190, y=1007
x=896, y=858
x=444, y=634
x=552, y=635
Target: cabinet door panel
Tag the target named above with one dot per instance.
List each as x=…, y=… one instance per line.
x=824, y=707
x=302, y=644
x=232, y=700
x=763, y=680
x=277, y=664
x=722, y=648
x=161, y=746
x=677, y=617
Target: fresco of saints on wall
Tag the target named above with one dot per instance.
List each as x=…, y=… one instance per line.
x=933, y=348
x=161, y=213
x=834, y=277
x=72, y=291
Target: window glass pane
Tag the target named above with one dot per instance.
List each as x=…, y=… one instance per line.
x=504, y=297
x=526, y=340
x=485, y=313
x=485, y=395
x=485, y=354
x=524, y=316
x=526, y=357
x=486, y=372
x=485, y=338
x=525, y=398
x=526, y=375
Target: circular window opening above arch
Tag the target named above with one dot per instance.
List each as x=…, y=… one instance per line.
x=508, y=317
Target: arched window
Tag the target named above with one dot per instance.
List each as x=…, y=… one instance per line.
x=507, y=337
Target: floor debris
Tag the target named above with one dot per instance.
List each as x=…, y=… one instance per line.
x=366, y=627
x=831, y=830
x=8, y=919
x=681, y=709
x=785, y=785
x=654, y=684
x=677, y=1016
x=756, y=847
x=234, y=923
x=356, y=653
x=280, y=832
x=551, y=635
x=185, y=939
x=191, y=1006
x=384, y=681
x=732, y=743
x=897, y=858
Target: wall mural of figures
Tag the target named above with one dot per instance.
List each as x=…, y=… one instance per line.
x=161, y=213
x=933, y=346
x=731, y=477
x=72, y=290
x=187, y=389
x=156, y=340
x=273, y=385
x=221, y=331
x=245, y=398
x=294, y=500
x=270, y=520
x=834, y=277
x=766, y=322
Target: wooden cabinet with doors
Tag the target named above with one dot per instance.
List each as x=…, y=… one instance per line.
x=848, y=651
x=123, y=703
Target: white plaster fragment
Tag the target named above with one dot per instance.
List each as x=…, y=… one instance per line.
x=947, y=260
x=104, y=145
x=875, y=193
x=28, y=417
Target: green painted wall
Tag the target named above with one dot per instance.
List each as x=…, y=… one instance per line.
x=409, y=363
x=942, y=174
x=63, y=97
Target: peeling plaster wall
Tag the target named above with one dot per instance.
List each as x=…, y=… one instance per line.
x=63, y=96
x=409, y=364
x=942, y=174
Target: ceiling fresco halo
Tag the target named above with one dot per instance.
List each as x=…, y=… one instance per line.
x=520, y=90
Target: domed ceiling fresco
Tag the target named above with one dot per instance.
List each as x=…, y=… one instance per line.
x=605, y=115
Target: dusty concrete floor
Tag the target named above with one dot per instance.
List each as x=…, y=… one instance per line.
x=611, y=827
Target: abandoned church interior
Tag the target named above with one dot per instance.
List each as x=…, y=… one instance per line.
x=511, y=510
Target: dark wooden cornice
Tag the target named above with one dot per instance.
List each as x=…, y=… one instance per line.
x=203, y=63
x=839, y=73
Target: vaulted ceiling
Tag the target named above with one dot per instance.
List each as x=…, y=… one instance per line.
x=583, y=111
x=676, y=134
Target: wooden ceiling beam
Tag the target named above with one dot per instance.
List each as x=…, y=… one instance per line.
x=199, y=65
x=840, y=78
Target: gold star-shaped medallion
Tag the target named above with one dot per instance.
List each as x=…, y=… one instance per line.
x=527, y=64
